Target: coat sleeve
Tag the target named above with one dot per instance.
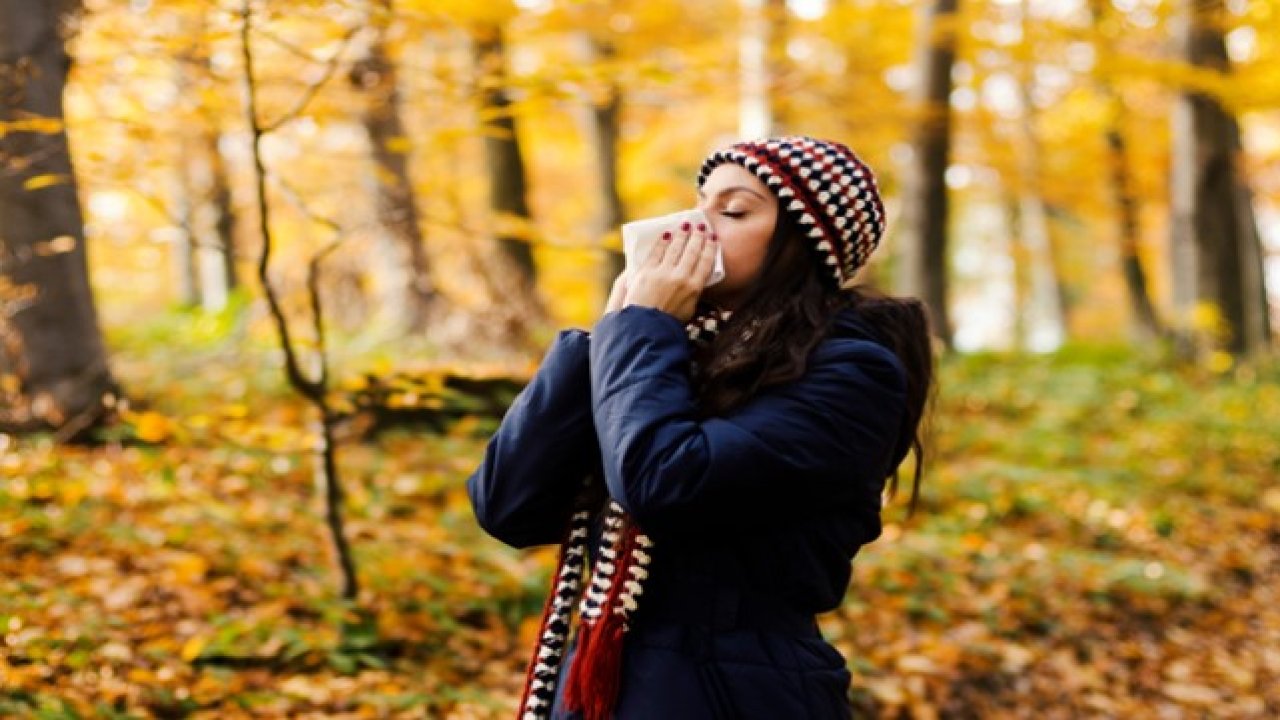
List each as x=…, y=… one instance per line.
x=823, y=438
x=533, y=466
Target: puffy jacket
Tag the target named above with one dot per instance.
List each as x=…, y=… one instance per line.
x=755, y=516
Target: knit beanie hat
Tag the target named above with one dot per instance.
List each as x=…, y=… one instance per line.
x=823, y=188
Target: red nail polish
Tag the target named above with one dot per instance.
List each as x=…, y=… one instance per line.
x=713, y=237
x=684, y=226
x=702, y=228
x=666, y=236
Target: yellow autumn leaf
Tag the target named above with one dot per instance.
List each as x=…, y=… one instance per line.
x=10, y=384
x=399, y=145
x=355, y=383
x=1205, y=316
x=42, y=181
x=71, y=493
x=39, y=125
x=1271, y=500
x=194, y=645
x=528, y=630
x=151, y=426
x=456, y=500
x=1220, y=362
x=189, y=567
x=465, y=11
x=235, y=410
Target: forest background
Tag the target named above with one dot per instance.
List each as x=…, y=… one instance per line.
x=271, y=272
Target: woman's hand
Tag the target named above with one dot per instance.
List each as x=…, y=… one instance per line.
x=618, y=293
x=673, y=275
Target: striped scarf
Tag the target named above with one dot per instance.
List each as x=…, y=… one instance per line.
x=621, y=565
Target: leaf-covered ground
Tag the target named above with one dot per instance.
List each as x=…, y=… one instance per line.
x=1100, y=537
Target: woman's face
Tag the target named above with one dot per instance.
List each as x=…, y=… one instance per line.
x=742, y=212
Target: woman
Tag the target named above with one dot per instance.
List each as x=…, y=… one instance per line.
x=720, y=451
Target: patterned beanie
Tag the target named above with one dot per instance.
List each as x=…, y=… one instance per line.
x=824, y=188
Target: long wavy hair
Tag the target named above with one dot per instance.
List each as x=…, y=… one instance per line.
x=786, y=313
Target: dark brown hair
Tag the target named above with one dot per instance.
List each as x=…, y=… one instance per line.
x=786, y=313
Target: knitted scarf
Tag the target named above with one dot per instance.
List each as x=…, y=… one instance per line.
x=620, y=567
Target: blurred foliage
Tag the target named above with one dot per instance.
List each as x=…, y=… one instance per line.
x=156, y=87
x=1097, y=534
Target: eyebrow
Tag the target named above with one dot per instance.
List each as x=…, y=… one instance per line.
x=733, y=188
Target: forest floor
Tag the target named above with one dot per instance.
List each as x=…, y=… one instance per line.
x=1099, y=537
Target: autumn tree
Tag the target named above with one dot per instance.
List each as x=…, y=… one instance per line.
x=605, y=115
x=51, y=340
x=508, y=180
x=1217, y=254
x=413, y=293
x=763, y=107
x=1043, y=300
x=1120, y=182
x=206, y=253
x=922, y=266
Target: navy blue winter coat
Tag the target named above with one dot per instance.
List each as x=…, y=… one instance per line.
x=755, y=516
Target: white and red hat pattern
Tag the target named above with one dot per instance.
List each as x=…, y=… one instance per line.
x=823, y=187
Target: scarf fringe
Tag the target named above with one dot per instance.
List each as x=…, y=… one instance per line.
x=595, y=673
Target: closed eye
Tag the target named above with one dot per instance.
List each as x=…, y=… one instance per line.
x=736, y=214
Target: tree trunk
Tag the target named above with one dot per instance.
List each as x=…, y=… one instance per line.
x=187, y=254
x=1020, y=279
x=1257, y=304
x=605, y=114
x=218, y=203
x=186, y=245
x=1214, y=231
x=1146, y=324
x=921, y=265
x=412, y=293
x=204, y=211
x=778, y=67
x=1046, y=328
x=762, y=60
x=507, y=182
x=52, y=340
x=208, y=218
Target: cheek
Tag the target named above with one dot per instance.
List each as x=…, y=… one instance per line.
x=744, y=253
x=756, y=242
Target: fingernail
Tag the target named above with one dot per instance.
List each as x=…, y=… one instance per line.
x=713, y=237
x=702, y=228
x=684, y=226
x=666, y=236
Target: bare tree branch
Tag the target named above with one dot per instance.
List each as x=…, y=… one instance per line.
x=314, y=390
x=309, y=94
x=304, y=385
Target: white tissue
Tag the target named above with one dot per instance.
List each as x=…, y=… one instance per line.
x=638, y=238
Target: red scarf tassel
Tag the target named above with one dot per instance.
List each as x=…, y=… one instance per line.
x=595, y=675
